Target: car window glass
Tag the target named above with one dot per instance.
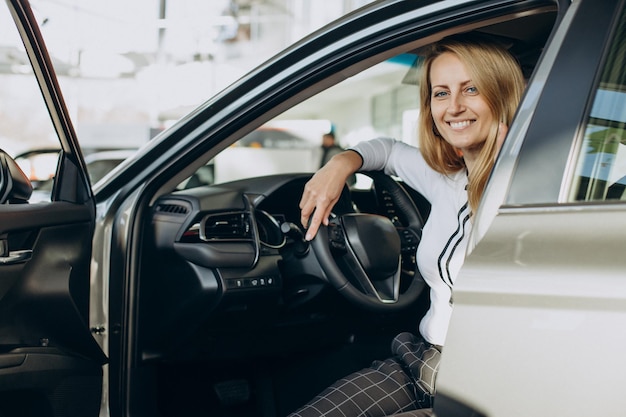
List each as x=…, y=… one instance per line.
x=26, y=130
x=601, y=169
x=376, y=102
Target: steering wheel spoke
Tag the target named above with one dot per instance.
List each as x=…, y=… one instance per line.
x=386, y=290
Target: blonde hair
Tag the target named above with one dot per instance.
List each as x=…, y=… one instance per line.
x=499, y=80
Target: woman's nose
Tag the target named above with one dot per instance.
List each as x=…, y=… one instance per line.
x=456, y=104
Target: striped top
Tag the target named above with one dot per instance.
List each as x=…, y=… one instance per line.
x=441, y=252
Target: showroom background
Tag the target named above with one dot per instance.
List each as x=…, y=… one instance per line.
x=129, y=69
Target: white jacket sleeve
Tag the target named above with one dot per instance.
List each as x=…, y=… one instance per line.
x=385, y=154
x=399, y=159
x=375, y=153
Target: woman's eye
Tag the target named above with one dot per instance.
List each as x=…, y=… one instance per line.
x=471, y=90
x=439, y=94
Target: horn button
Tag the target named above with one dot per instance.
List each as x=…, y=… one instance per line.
x=375, y=242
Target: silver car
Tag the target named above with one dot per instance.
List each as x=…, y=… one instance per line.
x=179, y=284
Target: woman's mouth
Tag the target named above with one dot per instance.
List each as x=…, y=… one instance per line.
x=461, y=124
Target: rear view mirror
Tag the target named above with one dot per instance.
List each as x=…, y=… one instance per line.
x=15, y=187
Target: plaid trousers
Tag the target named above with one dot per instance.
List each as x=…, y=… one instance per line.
x=399, y=384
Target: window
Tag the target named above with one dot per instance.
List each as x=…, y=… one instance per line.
x=26, y=131
x=601, y=170
x=374, y=102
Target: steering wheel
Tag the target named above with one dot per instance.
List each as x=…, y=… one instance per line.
x=370, y=257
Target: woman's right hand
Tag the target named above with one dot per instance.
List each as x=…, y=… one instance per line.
x=323, y=190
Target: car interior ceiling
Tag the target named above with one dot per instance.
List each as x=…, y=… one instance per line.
x=264, y=353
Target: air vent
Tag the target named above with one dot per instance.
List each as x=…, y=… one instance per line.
x=226, y=226
x=172, y=208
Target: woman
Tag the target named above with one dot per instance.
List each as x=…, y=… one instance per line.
x=469, y=89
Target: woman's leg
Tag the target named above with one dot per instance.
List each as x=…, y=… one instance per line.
x=421, y=360
x=402, y=383
x=381, y=390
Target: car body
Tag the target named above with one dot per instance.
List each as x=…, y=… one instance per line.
x=40, y=166
x=141, y=297
x=102, y=162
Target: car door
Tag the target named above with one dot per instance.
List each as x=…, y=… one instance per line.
x=50, y=363
x=539, y=311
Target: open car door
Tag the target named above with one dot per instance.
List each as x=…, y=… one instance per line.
x=50, y=363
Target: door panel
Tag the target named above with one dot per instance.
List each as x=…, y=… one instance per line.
x=50, y=364
x=48, y=357
x=43, y=300
x=46, y=381
x=538, y=314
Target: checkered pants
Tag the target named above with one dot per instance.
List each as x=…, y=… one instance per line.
x=402, y=383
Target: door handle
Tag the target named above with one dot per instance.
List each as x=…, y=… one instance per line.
x=16, y=257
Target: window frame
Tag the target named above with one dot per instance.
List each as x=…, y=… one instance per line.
x=552, y=139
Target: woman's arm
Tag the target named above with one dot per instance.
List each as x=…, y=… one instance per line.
x=322, y=191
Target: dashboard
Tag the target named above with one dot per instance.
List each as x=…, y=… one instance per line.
x=226, y=263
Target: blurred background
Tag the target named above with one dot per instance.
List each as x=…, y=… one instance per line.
x=129, y=69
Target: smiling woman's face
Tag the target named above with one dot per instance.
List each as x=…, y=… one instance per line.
x=459, y=111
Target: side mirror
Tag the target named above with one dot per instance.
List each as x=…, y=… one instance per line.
x=15, y=187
